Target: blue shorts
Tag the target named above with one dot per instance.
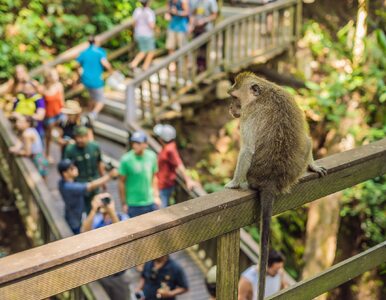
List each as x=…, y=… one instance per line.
x=145, y=43
x=51, y=120
x=135, y=211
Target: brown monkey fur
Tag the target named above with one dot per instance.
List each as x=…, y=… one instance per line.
x=275, y=148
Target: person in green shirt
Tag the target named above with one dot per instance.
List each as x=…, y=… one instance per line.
x=138, y=186
x=87, y=157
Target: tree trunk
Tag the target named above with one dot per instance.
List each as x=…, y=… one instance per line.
x=324, y=214
x=360, y=32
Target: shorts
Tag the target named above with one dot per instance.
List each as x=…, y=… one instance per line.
x=135, y=211
x=145, y=43
x=97, y=95
x=175, y=39
x=52, y=120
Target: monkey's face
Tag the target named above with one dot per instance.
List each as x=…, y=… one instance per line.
x=235, y=108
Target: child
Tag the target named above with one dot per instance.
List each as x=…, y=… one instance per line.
x=31, y=145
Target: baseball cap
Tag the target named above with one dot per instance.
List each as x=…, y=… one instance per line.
x=166, y=132
x=64, y=165
x=138, y=137
x=80, y=130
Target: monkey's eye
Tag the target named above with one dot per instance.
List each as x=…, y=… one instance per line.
x=255, y=89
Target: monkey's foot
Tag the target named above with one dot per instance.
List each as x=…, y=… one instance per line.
x=317, y=169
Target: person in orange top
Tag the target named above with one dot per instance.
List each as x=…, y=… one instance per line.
x=53, y=93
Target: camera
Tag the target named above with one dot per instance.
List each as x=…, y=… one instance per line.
x=106, y=200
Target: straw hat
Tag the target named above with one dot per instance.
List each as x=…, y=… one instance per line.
x=71, y=107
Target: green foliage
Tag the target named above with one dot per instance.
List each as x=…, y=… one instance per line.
x=35, y=31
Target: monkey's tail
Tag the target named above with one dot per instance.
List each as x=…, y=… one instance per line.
x=266, y=199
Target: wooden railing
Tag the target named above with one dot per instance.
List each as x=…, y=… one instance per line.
x=36, y=204
x=62, y=265
x=236, y=42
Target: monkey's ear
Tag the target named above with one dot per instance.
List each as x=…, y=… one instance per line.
x=255, y=89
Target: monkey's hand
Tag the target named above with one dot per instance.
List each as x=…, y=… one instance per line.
x=317, y=169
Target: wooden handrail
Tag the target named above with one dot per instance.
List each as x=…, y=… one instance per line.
x=102, y=38
x=65, y=264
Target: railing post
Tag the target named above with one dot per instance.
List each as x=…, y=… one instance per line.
x=228, y=252
x=131, y=105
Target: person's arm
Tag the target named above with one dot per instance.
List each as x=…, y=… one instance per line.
x=99, y=182
x=185, y=9
x=110, y=208
x=122, y=192
x=245, y=291
x=189, y=182
x=157, y=199
x=40, y=110
x=172, y=293
x=283, y=282
x=105, y=63
x=7, y=87
x=61, y=91
x=87, y=223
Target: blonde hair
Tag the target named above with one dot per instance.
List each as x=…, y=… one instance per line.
x=51, y=76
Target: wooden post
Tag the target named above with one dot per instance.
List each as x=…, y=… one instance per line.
x=228, y=252
x=131, y=105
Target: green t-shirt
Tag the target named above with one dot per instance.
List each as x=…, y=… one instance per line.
x=139, y=172
x=86, y=159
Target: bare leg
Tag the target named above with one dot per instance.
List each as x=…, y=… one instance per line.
x=266, y=203
x=148, y=60
x=98, y=106
x=137, y=60
x=48, y=142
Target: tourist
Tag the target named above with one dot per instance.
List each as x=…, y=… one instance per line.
x=53, y=93
x=72, y=118
x=177, y=35
x=144, y=24
x=31, y=144
x=29, y=102
x=103, y=213
x=73, y=192
x=210, y=282
x=169, y=163
x=87, y=157
x=204, y=13
x=162, y=278
x=274, y=281
x=138, y=186
x=93, y=60
x=18, y=83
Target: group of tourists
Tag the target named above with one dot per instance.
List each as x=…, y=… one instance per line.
x=146, y=181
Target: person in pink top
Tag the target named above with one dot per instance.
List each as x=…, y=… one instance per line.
x=53, y=93
x=169, y=163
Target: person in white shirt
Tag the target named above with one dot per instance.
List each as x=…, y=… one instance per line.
x=274, y=281
x=144, y=24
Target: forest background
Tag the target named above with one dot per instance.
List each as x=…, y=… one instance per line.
x=344, y=98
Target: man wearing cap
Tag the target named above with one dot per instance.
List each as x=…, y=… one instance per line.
x=137, y=182
x=70, y=119
x=73, y=192
x=87, y=157
x=93, y=60
x=169, y=163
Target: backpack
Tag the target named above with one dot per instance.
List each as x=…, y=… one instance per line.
x=26, y=106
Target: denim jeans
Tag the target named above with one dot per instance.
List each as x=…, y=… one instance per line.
x=135, y=211
x=165, y=195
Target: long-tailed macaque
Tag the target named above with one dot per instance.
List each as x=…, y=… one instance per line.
x=275, y=148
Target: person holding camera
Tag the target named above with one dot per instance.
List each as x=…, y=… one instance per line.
x=103, y=213
x=87, y=157
x=73, y=193
x=162, y=278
